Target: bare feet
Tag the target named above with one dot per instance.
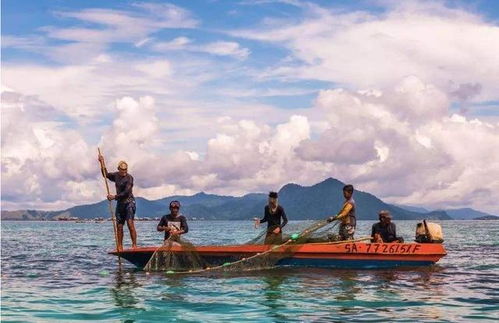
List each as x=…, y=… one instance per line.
x=134, y=246
x=120, y=248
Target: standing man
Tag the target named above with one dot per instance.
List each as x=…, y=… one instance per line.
x=173, y=224
x=346, y=215
x=125, y=206
x=273, y=214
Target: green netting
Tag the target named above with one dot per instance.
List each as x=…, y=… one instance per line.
x=168, y=258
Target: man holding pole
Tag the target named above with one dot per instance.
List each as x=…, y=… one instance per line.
x=125, y=206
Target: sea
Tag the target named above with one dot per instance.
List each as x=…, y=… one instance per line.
x=61, y=271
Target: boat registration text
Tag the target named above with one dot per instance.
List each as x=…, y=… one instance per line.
x=397, y=248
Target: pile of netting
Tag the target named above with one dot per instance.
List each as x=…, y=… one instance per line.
x=180, y=256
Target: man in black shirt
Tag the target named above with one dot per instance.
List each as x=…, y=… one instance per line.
x=173, y=224
x=385, y=230
x=125, y=206
x=273, y=214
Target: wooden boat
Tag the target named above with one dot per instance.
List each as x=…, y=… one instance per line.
x=326, y=255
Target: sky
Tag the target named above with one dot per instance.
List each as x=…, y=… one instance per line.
x=400, y=99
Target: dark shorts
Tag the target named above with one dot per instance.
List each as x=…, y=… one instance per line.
x=125, y=211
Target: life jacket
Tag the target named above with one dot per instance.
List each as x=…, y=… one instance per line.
x=350, y=218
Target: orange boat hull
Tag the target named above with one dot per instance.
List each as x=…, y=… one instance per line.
x=329, y=255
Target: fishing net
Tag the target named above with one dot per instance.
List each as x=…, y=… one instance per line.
x=181, y=256
x=318, y=231
x=176, y=254
x=280, y=248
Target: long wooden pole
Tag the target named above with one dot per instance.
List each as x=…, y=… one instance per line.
x=103, y=167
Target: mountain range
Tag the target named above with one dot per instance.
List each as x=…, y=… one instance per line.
x=300, y=202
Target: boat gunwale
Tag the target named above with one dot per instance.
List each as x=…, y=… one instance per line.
x=316, y=248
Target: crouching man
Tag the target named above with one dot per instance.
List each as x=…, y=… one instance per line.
x=173, y=224
x=385, y=230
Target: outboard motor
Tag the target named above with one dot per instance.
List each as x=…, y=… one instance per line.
x=428, y=232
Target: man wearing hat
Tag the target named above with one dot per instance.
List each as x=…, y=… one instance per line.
x=273, y=214
x=173, y=224
x=385, y=230
x=125, y=206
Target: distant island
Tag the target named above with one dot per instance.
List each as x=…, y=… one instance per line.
x=300, y=202
x=487, y=217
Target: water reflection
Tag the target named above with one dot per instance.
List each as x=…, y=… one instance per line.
x=386, y=278
x=348, y=286
x=273, y=296
x=431, y=283
x=124, y=288
x=347, y=290
x=176, y=288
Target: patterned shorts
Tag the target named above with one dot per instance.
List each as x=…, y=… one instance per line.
x=346, y=231
x=125, y=212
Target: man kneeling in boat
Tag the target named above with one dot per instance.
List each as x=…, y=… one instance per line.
x=173, y=224
x=385, y=230
x=346, y=215
x=273, y=214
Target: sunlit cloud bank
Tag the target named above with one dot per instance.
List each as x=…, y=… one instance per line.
x=370, y=141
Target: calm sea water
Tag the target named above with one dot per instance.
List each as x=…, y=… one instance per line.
x=61, y=271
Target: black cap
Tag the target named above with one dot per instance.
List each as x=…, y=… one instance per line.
x=348, y=188
x=273, y=194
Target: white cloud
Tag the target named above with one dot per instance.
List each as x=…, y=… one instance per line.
x=142, y=42
x=26, y=43
x=224, y=48
x=48, y=165
x=218, y=48
x=449, y=48
x=122, y=26
x=246, y=156
x=378, y=142
x=402, y=145
x=175, y=44
x=86, y=90
x=42, y=160
x=102, y=27
x=158, y=192
x=156, y=69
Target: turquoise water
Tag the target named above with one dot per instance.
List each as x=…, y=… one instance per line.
x=61, y=271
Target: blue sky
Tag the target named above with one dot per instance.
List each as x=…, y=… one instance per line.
x=214, y=20
x=233, y=97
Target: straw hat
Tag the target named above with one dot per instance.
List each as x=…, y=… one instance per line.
x=122, y=165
